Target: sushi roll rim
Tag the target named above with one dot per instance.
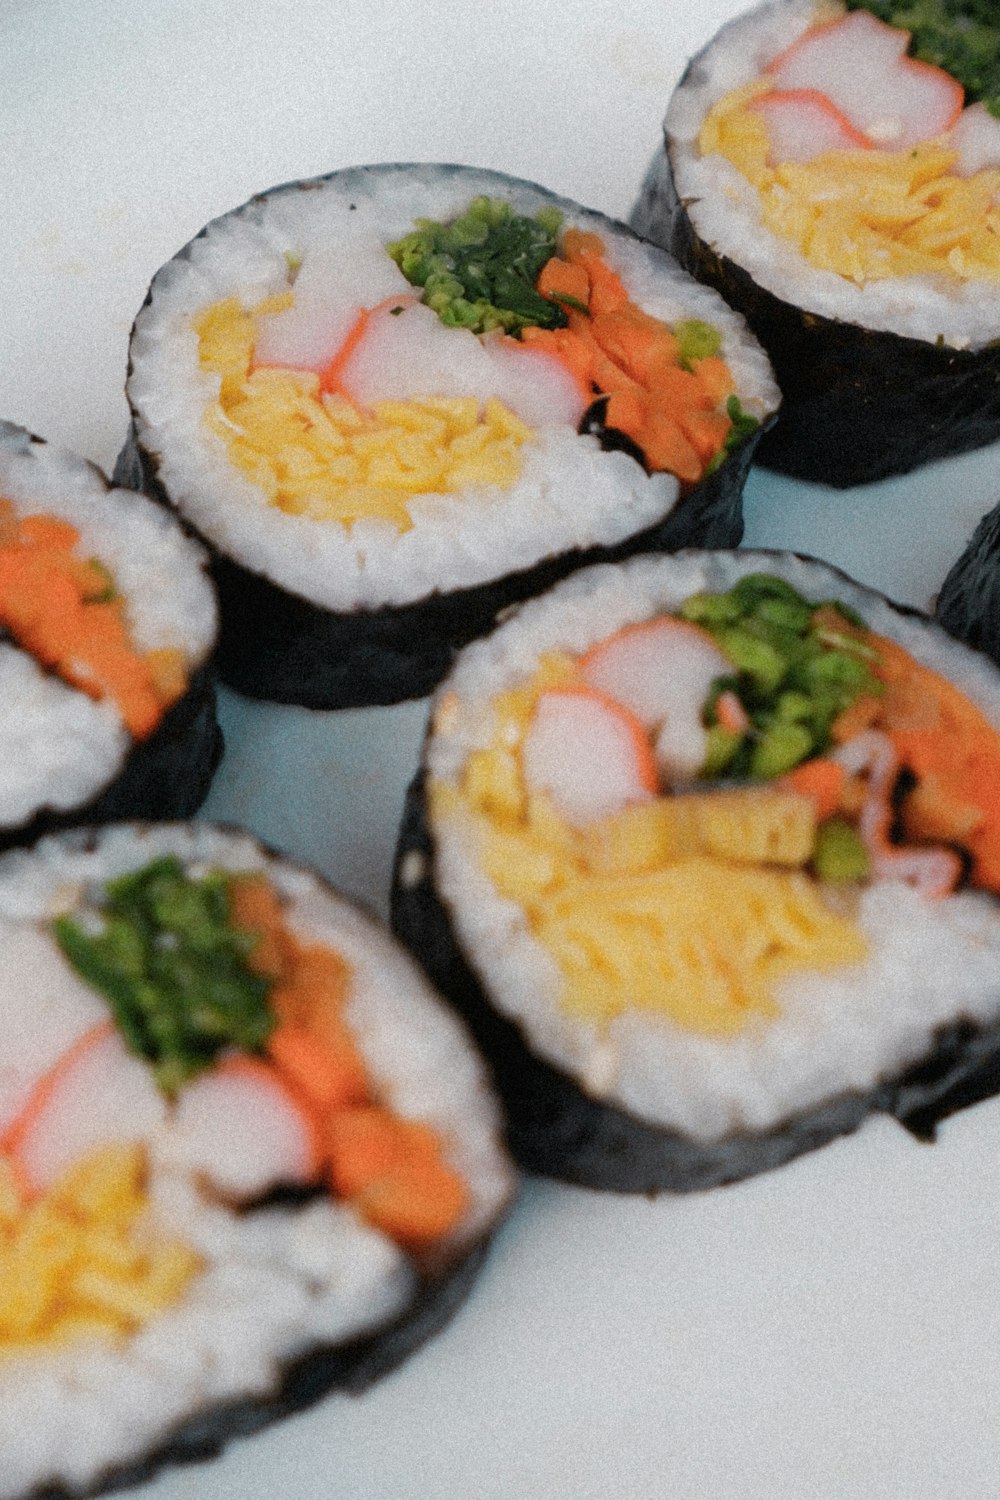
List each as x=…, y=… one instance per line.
x=913, y=1086
x=304, y=1367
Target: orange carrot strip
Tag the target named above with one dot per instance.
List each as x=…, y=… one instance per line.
x=714, y=374
x=328, y=1077
x=559, y=278
x=822, y=779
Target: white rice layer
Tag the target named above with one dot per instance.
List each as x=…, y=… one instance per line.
x=570, y=494
x=930, y=963
x=277, y=1281
x=58, y=746
x=726, y=212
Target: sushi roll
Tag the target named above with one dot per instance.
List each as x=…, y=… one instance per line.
x=107, y=627
x=968, y=604
x=707, y=850
x=397, y=399
x=246, y=1155
x=834, y=170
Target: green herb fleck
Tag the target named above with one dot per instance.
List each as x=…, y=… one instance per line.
x=479, y=270
x=797, y=665
x=173, y=968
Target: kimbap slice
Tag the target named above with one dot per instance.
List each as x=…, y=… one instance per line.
x=707, y=849
x=246, y=1155
x=396, y=399
x=107, y=627
x=834, y=171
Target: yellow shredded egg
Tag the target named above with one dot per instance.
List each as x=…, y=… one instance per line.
x=867, y=215
x=316, y=454
x=691, y=906
x=81, y=1259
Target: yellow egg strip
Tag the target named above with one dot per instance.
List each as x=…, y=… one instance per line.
x=867, y=215
x=313, y=453
x=691, y=907
x=81, y=1260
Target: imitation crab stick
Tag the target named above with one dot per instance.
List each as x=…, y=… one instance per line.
x=860, y=64
x=589, y=753
x=803, y=123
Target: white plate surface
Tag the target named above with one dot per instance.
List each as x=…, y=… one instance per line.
x=830, y=1330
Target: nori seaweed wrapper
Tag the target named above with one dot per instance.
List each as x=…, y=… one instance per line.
x=859, y=403
x=350, y=1367
x=968, y=605
x=275, y=644
x=166, y=776
x=555, y=1128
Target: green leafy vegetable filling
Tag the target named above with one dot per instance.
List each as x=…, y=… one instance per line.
x=479, y=270
x=797, y=666
x=162, y=948
x=961, y=36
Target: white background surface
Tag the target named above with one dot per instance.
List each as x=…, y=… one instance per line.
x=830, y=1330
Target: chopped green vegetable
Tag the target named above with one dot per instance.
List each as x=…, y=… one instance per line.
x=173, y=968
x=696, y=340
x=961, y=36
x=479, y=271
x=798, y=665
x=839, y=852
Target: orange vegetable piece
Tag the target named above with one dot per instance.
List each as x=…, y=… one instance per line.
x=714, y=375
x=822, y=779
x=395, y=1172
x=329, y=1077
x=254, y=907
x=560, y=278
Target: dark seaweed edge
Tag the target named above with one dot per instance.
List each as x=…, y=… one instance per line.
x=277, y=645
x=351, y=1368
x=168, y=774
x=859, y=404
x=968, y=604
x=165, y=776
x=555, y=1128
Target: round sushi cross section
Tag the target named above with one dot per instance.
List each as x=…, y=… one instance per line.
x=396, y=399
x=834, y=170
x=107, y=625
x=246, y=1155
x=707, y=849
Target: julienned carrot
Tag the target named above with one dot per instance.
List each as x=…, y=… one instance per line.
x=51, y=601
x=615, y=348
x=392, y=1170
x=821, y=779
x=395, y=1170
x=940, y=736
x=558, y=279
x=330, y=1076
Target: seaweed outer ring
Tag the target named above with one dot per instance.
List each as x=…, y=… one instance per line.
x=276, y=644
x=555, y=1127
x=860, y=404
x=167, y=775
x=968, y=604
x=444, y=1280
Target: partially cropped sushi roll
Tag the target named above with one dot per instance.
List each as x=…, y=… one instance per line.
x=834, y=170
x=707, y=849
x=246, y=1155
x=397, y=399
x=107, y=626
